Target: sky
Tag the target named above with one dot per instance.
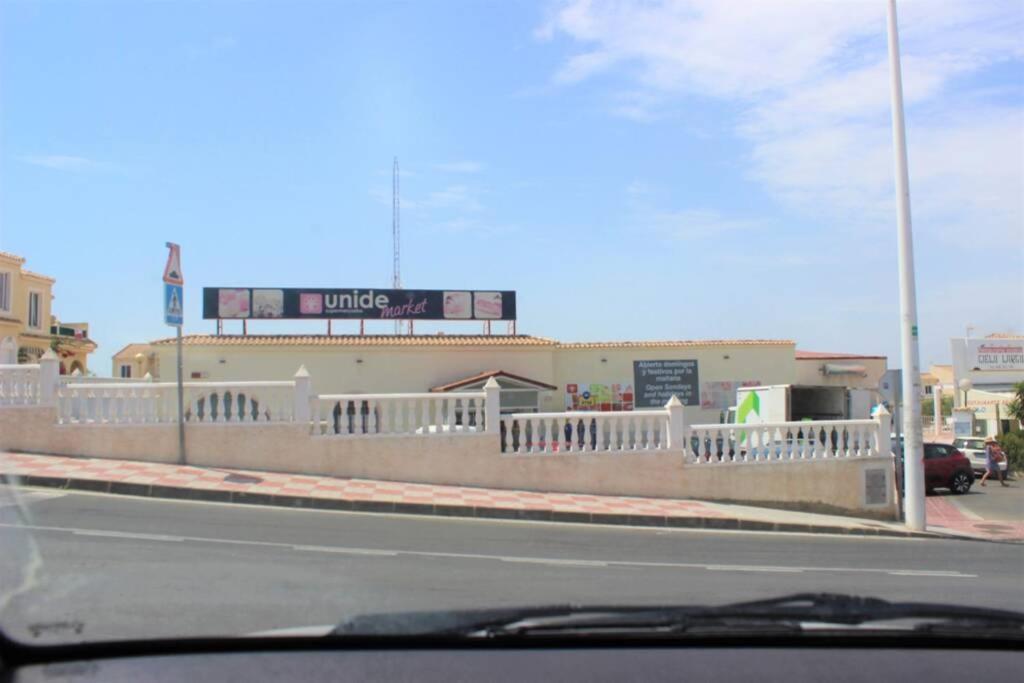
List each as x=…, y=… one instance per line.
x=656, y=170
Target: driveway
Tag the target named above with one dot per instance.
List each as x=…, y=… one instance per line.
x=994, y=511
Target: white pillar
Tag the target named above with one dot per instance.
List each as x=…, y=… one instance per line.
x=937, y=408
x=49, y=376
x=913, y=448
x=492, y=405
x=303, y=390
x=676, y=423
x=883, y=420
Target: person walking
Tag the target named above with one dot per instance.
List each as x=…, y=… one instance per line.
x=993, y=456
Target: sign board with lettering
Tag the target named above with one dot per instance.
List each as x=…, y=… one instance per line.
x=357, y=304
x=995, y=354
x=656, y=381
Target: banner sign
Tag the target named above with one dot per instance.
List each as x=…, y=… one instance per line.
x=995, y=354
x=365, y=304
x=598, y=396
x=657, y=380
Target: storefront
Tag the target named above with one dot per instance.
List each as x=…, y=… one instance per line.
x=984, y=373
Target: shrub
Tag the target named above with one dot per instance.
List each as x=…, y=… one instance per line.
x=1013, y=446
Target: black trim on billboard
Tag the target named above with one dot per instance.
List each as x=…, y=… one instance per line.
x=237, y=303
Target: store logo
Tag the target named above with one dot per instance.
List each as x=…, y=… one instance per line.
x=311, y=304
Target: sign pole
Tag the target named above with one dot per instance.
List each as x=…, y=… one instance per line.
x=174, y=314
x=913, y=450
x=181, y=403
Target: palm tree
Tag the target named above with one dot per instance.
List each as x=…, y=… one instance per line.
x=1016, y=407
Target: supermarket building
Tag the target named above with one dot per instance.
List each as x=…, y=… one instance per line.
x=535, y=373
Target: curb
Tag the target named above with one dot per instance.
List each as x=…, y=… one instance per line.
x=471, y=511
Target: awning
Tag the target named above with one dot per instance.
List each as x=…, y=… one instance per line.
x=506, y=379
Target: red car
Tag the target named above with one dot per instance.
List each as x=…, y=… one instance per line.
x=945, y=467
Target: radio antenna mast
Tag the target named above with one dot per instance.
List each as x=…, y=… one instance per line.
x=396, y=238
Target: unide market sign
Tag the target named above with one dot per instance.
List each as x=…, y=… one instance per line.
x=1002, y=354
x=227, y=303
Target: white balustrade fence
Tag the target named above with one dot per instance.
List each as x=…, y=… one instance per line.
x=157, y=402
x=19, y=385
x=384, y=414
x=575, y=432
x=783, y=441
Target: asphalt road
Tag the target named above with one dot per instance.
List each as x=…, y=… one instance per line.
x=122, y=567
x=993, y=502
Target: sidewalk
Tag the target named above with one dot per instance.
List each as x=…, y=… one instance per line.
x=361, y=495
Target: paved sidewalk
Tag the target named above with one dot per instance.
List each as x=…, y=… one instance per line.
x=331, y=493
x=945, y=516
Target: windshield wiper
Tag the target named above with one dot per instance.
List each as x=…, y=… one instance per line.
x=788, y=614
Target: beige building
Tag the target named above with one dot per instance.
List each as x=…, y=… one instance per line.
x=27, y=325
x=535, y=373
x=817, y=368
x=941, y=376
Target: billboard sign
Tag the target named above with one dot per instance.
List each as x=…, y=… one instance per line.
x=357, y=304
x=656, y=381
x=995, y=354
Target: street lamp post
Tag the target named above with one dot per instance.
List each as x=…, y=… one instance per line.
x=965, y=385
x=913, y=451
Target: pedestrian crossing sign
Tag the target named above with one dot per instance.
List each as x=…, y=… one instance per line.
x=173, y=305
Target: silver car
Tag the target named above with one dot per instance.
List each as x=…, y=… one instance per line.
x=974, y=448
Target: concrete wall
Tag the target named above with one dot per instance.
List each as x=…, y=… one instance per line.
x=362, y=369
x=833, y=485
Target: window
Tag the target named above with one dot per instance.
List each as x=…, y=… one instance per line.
x=34, y=305
x=5, y=292
x=928, y=390
x=126, y=371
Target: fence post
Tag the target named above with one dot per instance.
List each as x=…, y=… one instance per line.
x=49, y=375
x=148, y=377
x=492, y=404
x=676, y=423
x=303, y=385
x=8, y=351
x=884, y=421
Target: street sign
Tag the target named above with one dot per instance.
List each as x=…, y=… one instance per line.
x=172, y=271
x=173, y=303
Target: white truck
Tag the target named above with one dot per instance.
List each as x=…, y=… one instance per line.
x=796, y=403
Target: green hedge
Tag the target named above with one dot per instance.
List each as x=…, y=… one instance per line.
x=1013, y=445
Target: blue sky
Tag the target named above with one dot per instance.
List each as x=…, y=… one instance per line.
x=635, y=171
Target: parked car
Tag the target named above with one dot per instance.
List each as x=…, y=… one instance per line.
x=974, y=448
x=946, y=467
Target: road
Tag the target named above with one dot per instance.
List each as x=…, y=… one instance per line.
x=117, y=567
x=993, y=502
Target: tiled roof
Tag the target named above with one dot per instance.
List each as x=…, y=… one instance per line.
x=443, y=340
x=674, y=343
x=493, y=373
x=827, y=355
x=357, y=340
x=9, y=255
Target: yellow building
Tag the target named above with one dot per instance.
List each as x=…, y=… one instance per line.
x=27, y=326
x=938, y=375
x=535, y=373
x=135, y=361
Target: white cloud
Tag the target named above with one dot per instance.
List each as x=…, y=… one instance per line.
x=457, y=197
x=810, y=79
x=460, y=167
x=60, y=162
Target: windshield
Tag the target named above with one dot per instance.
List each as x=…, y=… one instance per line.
x=316, y=312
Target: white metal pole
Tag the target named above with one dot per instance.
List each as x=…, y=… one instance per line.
x=913, y=451
x=937, y=408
